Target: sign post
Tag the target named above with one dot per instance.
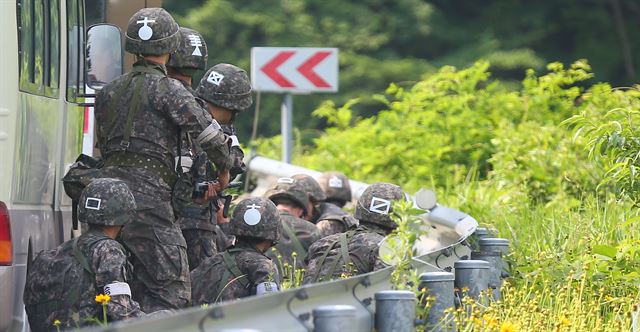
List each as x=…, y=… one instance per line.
x=292, y=70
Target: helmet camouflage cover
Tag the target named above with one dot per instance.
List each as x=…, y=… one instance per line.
x=256, y=217
x=151, y=31
x=226, y=86
x=106, y=202
x=191, y=53
x=375, y=204
x=336, y=186
x=289, y=189
x=312, y=188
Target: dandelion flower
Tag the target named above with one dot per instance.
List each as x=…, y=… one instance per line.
x=508, y=327
x=56, y=323
x=103, y=298
x=564, y=321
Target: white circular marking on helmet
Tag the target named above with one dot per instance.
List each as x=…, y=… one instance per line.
x=285, y=180
x=335, y=182
x=252, y=216
x=380, y=205
x=145, y=32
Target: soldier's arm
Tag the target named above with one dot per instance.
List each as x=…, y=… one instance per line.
x=111, y=273
x=264, y=276
x=183, y=108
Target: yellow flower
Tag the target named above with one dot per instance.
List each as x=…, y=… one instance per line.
x=56, y=323
x=490, y=321
x=508, y=327
x=103, y=299
x=564, y=321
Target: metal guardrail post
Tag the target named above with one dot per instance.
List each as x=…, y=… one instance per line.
x=495, y=244
x=494, y=258
x=395, y=311
x=333, y=318
x=439, y=288
x=480, y=233
x=472, y=278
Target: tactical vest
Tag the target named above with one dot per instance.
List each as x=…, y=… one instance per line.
x=123, y=157
x=343, y=242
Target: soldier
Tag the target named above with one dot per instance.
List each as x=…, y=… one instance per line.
x=328, y=218
x=291, y=202
x=226, y=91
x=189, y=59
x=336, y=187
x=141, y=117
x=328, y=258
x=243, y=270
x=106, y=205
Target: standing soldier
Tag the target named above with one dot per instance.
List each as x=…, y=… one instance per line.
x=197, y=222
x=243, y=270
x=226, y=91
x=291, y=202
x=91, y=264
x=141, y=117
x=356, y=251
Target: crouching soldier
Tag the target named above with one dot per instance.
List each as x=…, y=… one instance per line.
x=63, y=284
x=330, y=218
x=242, y=270
x=356, y=251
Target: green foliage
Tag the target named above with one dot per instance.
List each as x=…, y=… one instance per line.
x=610, y=125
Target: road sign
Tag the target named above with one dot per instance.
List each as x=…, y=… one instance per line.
x=294, y=69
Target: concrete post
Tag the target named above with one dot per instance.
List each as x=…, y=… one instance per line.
x=395, y=311
x=333, y=318
x=439, y=287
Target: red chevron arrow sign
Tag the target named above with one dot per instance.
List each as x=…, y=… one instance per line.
x=294, y=69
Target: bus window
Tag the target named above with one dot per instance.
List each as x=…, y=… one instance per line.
x=39, y=46
x=75, y=51
x=27, y=49
x=52, y=77
x=104, y=55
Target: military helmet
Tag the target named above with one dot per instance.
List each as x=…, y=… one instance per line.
x=336, y=186
x=191, y=54
x=151, y=31
x=289, y=189
x=312, y=188
x=256, y=217
x=227, y=86
x=106, y=202
x=375, y=204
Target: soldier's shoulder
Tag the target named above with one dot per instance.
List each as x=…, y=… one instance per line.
x=324, y=241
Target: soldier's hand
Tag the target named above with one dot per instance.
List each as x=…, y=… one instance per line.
x=220, y=219
x=209, y=195
x=223, y=179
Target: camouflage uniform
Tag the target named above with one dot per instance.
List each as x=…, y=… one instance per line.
x=336, y=186
x=328, y=258
x=156, y=109
x=104, y=202
x=332, y=219
x=304, y=234
x=241, y=271
x=298, y=234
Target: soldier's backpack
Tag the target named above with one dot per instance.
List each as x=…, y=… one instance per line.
x=55, y=281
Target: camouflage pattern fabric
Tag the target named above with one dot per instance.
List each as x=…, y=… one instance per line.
x=336, y=186
x=165, y=106
x=311, y=186
x=305, y=233
x=191, y=53
x=227, y=86
x=223, y=239
x=255, y=266
x=331, y=220
x=201, y=244
x=151, y=31
x=375, y=204
x=159, y=258
x=108, y=261
x=106, y=202
x=362, y=247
